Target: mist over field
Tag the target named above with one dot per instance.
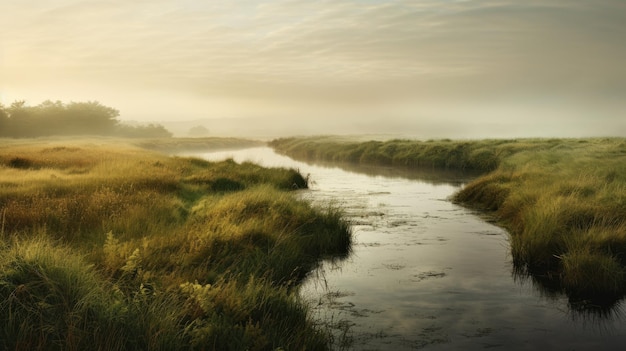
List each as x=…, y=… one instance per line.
x=385, y=128
x=155, y=157
x=428, y=69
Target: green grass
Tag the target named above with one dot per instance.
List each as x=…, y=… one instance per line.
x=442, y=154
x=562, y=200
x=113, y=247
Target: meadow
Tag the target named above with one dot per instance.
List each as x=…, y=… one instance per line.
x=178, y=145
x=105, y=245
x=563, y=201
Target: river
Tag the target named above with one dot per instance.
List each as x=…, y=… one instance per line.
x=426, y=273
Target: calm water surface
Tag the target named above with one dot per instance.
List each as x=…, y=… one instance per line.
x=426, y=273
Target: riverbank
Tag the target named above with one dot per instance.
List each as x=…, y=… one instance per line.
x=562, y=200
x=110, y=246
x=178, y=145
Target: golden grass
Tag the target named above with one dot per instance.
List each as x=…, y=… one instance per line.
x=132, y=230
x=563, y=200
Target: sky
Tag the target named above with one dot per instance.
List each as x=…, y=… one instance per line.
x=458, y=68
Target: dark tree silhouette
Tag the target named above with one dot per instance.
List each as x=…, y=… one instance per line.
x=4, y=121
x=75, y=118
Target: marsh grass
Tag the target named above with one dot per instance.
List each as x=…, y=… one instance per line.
x=563, y=200
x=566, y=209
x=177, y=145
x=109, y=246
x=442, y=154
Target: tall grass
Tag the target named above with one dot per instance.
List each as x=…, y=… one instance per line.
x=563, y=200
x=566, y=210
x=112, y=247
x=52, y=299
x=443, y=154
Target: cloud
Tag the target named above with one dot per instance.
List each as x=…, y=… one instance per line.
x=321, y=51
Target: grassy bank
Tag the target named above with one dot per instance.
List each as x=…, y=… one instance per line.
x=113, y=247
x=176, y=145
x=443, y=154
x=562, y=200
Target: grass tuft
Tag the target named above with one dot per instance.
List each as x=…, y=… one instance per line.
x=562, y=200
x=100, y=244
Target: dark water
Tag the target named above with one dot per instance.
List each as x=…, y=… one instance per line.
x=429, y=274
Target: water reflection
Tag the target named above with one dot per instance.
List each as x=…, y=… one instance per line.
x=426, y=273
x=429, y=175
x=593, y=308
x=596, y=309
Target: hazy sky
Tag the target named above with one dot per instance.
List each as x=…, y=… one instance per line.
x=477, y=63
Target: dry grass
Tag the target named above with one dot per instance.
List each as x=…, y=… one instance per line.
x=105, y=245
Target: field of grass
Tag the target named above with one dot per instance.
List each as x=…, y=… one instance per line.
x=105, y=246
x=441, y=154
x=176, y=145
x=562, y=200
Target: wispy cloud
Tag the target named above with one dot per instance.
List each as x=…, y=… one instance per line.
x=318, y=50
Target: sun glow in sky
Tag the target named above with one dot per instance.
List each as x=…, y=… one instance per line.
x=483, y=64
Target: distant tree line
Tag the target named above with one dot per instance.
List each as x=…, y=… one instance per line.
x=75, y=118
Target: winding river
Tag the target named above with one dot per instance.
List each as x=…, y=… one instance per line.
x=426, y=273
